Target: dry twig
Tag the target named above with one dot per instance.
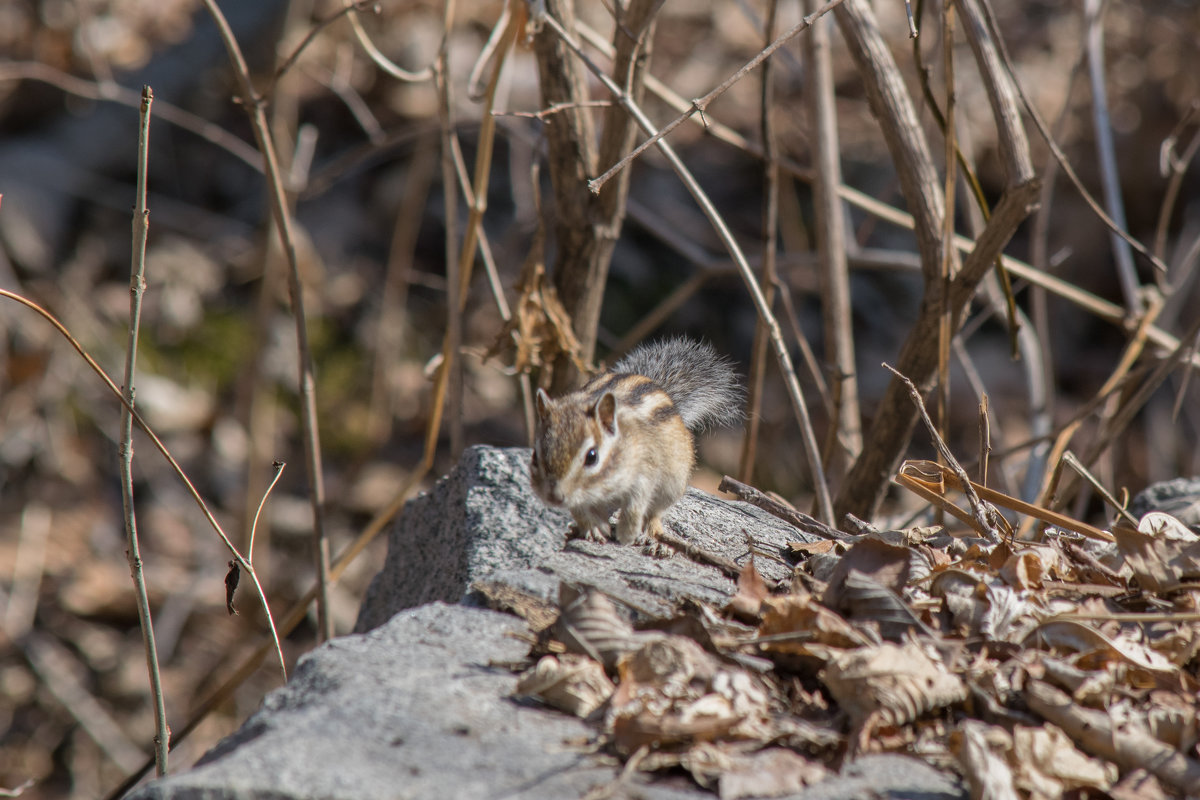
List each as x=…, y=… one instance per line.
x=137, y=286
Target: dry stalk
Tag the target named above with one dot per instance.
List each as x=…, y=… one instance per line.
x=253, y=105
x=888, y=97
x=290, y=60
x=797, y=519
x=1072, y=461
x=162, y=449
x=845, y=417
x=948, y=263
x=459, y=276
x=382, y=61
x=1050, y=494
x=389, y=324
x=1174, y=164
x=137, y=286
x=1115, y=426
x=587, y=225
x=58, y=668
x=984, y=516
x=931, y=481
x=1110, y=179
x=985, y=440
x=28, y=569
x=1038, y=278
x=917, y=360
x=297, y=613
x=770, y=235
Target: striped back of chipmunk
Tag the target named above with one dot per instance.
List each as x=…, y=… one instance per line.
x=702, y=384
x=637, y=395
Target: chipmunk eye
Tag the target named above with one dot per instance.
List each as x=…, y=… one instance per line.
x=589, y=460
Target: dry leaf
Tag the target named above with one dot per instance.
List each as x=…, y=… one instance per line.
x=540, y=328
x=1023, y=570
x=774, y=772
x=962, y=593
x=590, y=624
x=1129, y=744
x=1072, y=636
x=866, y=600
x=1162, y=552
x=896, y=683
x=1089, y=687
x=1048, y=763
x=1139, y=785
x=571, y=683
x=671, y=690
x=751, y=591
x=987, y=773
x=796, y=613
x=1009, y=616
x=886, y=564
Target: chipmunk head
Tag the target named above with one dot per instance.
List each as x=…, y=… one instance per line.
x=573, y=443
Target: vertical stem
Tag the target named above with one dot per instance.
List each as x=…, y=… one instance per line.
x=945, y=322
x=307, y=389
x=846, y=421
x=461, y=266
x=1110, y=180
x=137, y=285
x=769, y=279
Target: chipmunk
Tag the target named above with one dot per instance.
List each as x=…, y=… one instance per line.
x=624, y=441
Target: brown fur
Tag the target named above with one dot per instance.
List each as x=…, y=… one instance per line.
x=619, y=444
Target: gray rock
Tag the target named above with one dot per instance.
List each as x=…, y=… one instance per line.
x=886, y=775
x=1179, y=497
x=484, y=521
x=411, y=708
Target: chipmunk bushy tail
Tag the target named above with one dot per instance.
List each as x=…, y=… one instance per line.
x=701, y=383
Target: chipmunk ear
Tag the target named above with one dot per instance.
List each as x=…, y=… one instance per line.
x=542, y=403
x=605, y=412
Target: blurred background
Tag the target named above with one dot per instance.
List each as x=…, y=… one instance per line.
x=361, y=153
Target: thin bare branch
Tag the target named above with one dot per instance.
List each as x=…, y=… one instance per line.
x=289, y=62
x=377, y=56
x=137, y=286
x=1110, y=179
x=838, y=319
x=111, y=92
x=158, y=444
x=985, y=516
x=1174, y=164
x=700, y=104
x=770, y=235
x=307, y=388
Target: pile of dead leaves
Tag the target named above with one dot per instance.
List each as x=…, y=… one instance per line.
x=1061, y=667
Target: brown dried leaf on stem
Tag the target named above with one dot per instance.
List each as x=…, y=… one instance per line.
x=540, y=330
